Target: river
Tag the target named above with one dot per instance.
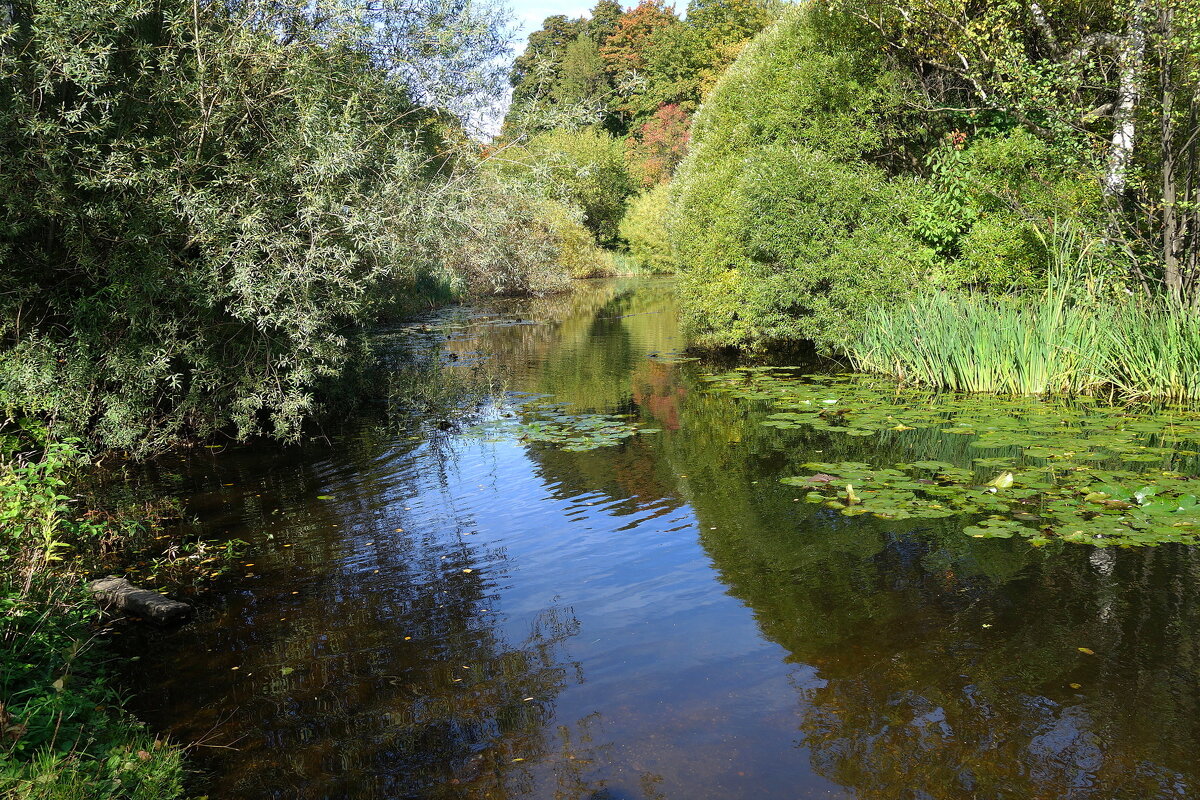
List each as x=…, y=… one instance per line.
x=455, y=608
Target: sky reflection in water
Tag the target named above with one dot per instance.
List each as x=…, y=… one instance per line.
x=479, y=616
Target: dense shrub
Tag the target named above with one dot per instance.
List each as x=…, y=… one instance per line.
x=644, y=228
x=496, y=239
x=783, y=226
x=584, y=169
x=577, y=252
x=1002, y=251
x=993, y=201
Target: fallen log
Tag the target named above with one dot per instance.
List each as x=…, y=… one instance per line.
x=118, y=594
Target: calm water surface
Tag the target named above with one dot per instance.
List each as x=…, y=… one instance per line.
x=484, y=617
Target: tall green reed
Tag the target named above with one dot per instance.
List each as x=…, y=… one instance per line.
x=1081, y=335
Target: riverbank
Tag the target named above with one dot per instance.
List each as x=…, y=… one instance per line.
x=65, y=732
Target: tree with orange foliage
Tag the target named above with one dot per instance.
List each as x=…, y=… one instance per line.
x=659, y=145
x=625, y=50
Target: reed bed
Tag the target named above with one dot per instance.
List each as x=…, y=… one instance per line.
x=1054, y=343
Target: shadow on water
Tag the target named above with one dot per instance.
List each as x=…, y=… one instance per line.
x=432, y=613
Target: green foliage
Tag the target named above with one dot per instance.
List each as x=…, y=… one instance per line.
x=946, y=210
x=198, y=215
x=656, y=60
x=576, y=253
x=603, y=20
x=783, y=231
x=582, y=79
x=684, y=63
x=539, y=66
x=1082, y=334
x=644, y=228
x=1111, y=86
x=991, y=203
x=62, y=733
x=584, y=169
x=495, y=240
x=1002, y=251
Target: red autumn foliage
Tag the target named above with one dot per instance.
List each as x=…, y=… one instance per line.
x=660, y=144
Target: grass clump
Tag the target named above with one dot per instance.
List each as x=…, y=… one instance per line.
x=1134, y=349
x=977, y=343
x=63, y=733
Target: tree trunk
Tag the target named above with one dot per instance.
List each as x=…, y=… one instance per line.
x=1132, y=53
x=1170, y=221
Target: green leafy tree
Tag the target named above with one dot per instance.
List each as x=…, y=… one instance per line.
x=1112, y=85
x=584, y=169
x=603, y=19
x=681, y=62
x=784, y=229
x=537, y=69
x=582, y=78
x=625, y=53
x=677, y=58
x=198, y=213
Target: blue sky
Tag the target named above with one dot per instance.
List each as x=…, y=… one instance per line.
x=530, y=13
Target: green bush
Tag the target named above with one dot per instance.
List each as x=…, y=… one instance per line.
x=577, y=251
x=784, y=231
x=198, y=216
x=1002, y=251
x=584, y=169
x=644, y=229
x=988, y=209
x=496, y=240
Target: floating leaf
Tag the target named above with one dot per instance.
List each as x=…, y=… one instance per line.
x=1002, y=481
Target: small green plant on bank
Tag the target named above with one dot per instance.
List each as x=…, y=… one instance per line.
x=62, y=731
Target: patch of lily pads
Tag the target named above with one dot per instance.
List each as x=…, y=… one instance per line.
x=1080, y=471
x=552, y=423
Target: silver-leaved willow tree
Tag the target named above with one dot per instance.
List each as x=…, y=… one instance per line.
x=202, y=203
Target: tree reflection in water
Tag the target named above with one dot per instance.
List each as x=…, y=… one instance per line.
x=924, y=663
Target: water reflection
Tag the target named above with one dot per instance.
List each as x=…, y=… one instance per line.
x=661, y=619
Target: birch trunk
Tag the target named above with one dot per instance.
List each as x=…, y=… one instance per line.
x=1130, y=58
